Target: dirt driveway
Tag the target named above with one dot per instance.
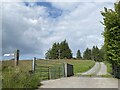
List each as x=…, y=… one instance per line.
x=81, y=82
x=84, y=82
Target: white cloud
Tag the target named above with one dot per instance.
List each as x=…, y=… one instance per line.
x=18, y=28
x=60, y=0
x=33, y=31
x=81, y=0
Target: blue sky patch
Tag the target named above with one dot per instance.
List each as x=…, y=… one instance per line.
x=53, y=12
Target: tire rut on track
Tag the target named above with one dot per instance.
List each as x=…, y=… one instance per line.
x=93, y=70
x=98, y=69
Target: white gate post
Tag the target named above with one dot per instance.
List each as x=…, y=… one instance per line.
x=65, y=69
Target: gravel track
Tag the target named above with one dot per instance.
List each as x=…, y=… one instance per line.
x=98, y=69
x=103, y=69
x=81, y=82
x=93, y=70
x=84, y=82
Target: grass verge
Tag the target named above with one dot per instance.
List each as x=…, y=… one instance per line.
x=109, y=67
x=19, y=76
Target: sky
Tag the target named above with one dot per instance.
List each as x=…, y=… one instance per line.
x=32, y=27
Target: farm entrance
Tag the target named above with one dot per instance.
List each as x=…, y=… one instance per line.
x=49, y=69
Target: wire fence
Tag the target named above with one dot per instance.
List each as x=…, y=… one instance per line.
x=50, y=72
x=116, y=71
x=22, y=76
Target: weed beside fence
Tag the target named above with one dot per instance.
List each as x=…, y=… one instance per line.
x=19, y=76
x=113, y=69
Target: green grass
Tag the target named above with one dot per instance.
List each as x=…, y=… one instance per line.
x=19, y=76
x=109, y=67
x=81, y=65
x=107, y=76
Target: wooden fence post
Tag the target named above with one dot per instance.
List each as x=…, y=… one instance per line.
x=49, y=73
x=59, y=72
x=16, y=55
x=34, y=64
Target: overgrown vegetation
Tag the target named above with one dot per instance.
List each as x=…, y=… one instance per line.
x=112, y=37
x=19, y=76
x=109, y=67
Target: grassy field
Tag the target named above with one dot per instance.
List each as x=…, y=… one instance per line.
x=109, y=67
x=20, y=77
x=81, y=65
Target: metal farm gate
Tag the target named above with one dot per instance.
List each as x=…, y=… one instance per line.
x=49, y=69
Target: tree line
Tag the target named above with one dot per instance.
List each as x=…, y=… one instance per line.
x=59, y=51
x=62, y=51
x=95, y=54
